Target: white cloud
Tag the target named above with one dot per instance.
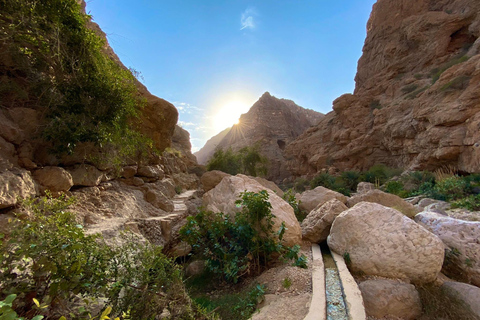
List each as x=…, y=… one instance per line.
x=186, y=108
x=247, y=20
x=185, y=124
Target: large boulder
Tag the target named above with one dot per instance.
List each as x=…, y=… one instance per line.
x=86, y=175
x=462, y=239
x=14, y=184
x=390, y=298
x=467, y=294
x=316, y=226
x=54, y=178
x=210, y=179
x=382, y=241
x=270, y=185
x=318, y=196
x=152, y=172
x=222, y=199
x=385, y=199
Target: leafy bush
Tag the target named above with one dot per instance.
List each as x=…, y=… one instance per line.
x=247, y=160
x=292, y=201
x=396, y=187
x=323, y=179
x=351, y=179
x=49, y=257
x=380, y=173
x=471, y=202
x=236, y=247
x=453, y=188
x=52, y=62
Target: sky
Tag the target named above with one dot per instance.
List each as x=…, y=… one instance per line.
x=213, y=59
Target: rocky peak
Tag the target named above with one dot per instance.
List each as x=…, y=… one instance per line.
x=272, y=123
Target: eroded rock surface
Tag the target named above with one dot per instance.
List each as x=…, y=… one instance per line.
x=310, y=199
x=462, y=239
x=385, y=199
x=382, y=241
x=390, y=298
x=316, y=226
x=416, y=102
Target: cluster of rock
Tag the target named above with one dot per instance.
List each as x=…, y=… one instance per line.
x=271, y=123
x=393, y=247
x=416, y=102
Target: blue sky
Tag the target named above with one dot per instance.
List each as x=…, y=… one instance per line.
x=213, y=59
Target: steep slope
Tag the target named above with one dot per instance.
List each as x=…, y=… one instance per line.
x=204, y=154
x=416, y=103
x=272, y=123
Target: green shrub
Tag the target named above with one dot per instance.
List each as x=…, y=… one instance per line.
x=437, y=72
x=471, y=202
x=300, y=184
x=247, y=160
x=58, y=66
x=323, y=179
x=48, y=256
x=453, y=188
x=380, y=173
x=397, y=188
x=459, y=83
x=351, y=179
x=292, y=201
x=235, y=247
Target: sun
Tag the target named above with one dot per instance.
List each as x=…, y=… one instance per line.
x=229, y=114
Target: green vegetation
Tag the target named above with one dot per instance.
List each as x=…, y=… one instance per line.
x=245, y=244
x=52, y=62
x=289, y=196
x=459, y=83
x=234, y=304
x=437, y=72
x=409, y=88
x=247, y=160
x=414, y=94
x=48, y=256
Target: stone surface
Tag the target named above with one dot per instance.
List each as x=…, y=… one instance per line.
x=316, y=226
x=381, y=241
x=364, y=187
x=222, y=199
x=86, y=175
x=462, y=239
x=468, y=294
x=15, y=183
x=129, y=172
x=206, y=152
x=158, y=199
x=54, y=178
x=270, y=185
x=384, y=298
x=400, y=114
x=310, y=199
x=210, y=179
x=154, y=172
x=271, y=123
x=385, y=199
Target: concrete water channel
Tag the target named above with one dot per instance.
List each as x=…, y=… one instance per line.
x=336, y=295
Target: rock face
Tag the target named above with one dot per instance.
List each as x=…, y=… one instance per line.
x=385, y=199
x=383, y=242
x=383, y=298
x=310, y=199
x=222, y=199
x=463, y=242
x=15, y=183
x=316, y=226
x=272, y=123
x=416, y=102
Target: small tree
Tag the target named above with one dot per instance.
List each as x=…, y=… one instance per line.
x=247, y=160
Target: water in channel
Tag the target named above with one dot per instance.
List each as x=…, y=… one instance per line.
x=336, y=309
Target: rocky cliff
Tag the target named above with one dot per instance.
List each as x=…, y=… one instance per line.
x=272, y=123
x=416, y=103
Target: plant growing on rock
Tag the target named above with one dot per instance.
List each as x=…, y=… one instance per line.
x=49, y=257
x=244, y=244
x=247, y=160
